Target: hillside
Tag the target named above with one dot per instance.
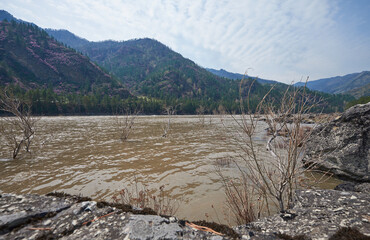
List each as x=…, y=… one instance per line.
x=235, y=76
x=352, y=84
x=360, y=91
x=32, y=59
x=147, y=67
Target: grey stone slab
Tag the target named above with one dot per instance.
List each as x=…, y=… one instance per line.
x=17, y=210
x=41, y=217
x=318, y=214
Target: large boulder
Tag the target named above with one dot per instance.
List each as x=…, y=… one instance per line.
x=342, y=146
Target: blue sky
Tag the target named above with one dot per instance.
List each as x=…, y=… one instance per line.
x=283, y=40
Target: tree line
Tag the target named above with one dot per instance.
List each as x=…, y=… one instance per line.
x=46, y=101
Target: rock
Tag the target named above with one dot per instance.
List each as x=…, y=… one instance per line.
x=347, y=186
x=342, y=146
x=363, y=187
x=354, y=187
x=68, y=217
x=16, y=211
x=319, y=214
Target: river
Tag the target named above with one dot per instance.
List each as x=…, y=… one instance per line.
x=84, y=155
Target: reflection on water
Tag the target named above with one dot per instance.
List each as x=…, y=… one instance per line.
x=83, y=155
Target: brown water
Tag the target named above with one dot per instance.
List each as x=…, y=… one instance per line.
x=83, y=155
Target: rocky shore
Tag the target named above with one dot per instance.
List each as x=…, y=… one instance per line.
x=317, y=214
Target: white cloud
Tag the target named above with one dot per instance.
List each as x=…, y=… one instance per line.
x=281, y=40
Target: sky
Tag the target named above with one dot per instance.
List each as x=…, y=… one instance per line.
x=283, y=40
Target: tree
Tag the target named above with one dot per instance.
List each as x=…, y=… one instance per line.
x=200, y=113
x=18, y=129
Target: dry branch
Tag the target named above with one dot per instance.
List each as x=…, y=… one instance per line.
x=18, y=129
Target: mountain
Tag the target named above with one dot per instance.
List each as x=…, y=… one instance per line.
x=67, y=82
x=230, y=75
x=148, y=67
x=356, y=84
x=151, y=69
x=33, y=59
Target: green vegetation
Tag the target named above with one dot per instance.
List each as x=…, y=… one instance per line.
x=45, y=101
x=147, y=67
x=361, y=100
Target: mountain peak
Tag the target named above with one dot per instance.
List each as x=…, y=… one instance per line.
x=63, y=36
x=4, y=15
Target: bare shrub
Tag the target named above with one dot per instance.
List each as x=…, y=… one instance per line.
x=124, y=123
x=270, y=175
x=19, y=128
x=214, y=113
x=201, y=117
x=223, y=161
x=286, y=124
x=139, y=196
x=169, y=111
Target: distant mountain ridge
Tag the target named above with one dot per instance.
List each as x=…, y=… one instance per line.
x=235, y=76
x=65, y=36
x=356, y=84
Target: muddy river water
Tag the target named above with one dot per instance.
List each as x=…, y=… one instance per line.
x=84, y=155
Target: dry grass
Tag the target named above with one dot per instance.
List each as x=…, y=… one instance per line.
x=140, y=197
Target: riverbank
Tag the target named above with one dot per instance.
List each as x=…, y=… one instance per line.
x=317, y=214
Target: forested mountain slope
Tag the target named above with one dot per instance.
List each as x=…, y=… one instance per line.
x=33, y=59
x=147, y=67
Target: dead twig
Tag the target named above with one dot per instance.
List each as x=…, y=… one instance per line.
x=201, y=228
x=96, y=219
x=40, y=229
